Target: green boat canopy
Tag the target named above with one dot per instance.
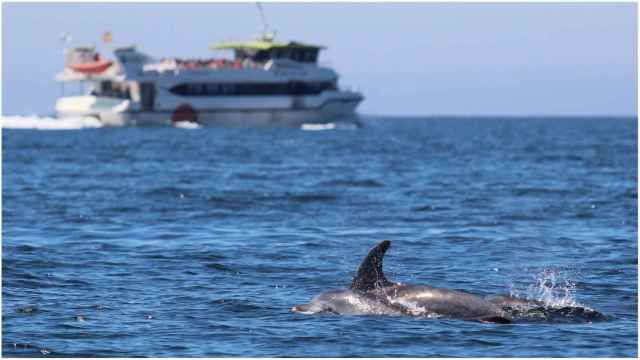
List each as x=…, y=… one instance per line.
x=263, y=45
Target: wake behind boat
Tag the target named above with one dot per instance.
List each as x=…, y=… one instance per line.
x=266, y=83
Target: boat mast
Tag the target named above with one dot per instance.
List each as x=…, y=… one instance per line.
x=267, y=34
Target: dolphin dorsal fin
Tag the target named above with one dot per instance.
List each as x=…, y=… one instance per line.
x=370, y=275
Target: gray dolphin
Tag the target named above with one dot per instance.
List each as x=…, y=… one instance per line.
x=371, y=293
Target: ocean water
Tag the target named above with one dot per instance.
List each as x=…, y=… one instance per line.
x=197, y=242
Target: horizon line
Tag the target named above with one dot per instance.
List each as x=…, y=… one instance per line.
x=503, y=115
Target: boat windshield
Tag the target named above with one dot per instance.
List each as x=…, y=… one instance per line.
x=299, y=54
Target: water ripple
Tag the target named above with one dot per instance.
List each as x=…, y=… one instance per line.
x=171, y=243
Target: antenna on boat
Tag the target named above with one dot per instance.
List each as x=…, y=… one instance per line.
x=267, y=34
x=65, y=38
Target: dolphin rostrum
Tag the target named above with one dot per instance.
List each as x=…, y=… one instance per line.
x=371, y=293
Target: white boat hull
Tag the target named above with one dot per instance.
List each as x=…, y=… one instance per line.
x=330, y=110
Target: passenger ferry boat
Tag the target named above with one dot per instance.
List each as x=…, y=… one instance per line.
x=266, y=83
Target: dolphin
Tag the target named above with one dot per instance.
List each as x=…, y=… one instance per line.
x=514, y=302
x=371, y=293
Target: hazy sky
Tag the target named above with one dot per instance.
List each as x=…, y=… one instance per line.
x=407, y=59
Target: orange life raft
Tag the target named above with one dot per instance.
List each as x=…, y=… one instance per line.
x=93, y=67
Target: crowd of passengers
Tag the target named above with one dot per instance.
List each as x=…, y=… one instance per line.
x=212, y=63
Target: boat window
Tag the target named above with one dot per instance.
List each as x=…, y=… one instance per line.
x=262, y=56
x=252, y=89
x=113, y=89
x=226, y=89
x=311, y=55
x=211, y=88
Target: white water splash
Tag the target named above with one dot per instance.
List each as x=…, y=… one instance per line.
x=318, y=127
x=186, y=125
x=552, y=287
x=49, y=123
x=338, y=125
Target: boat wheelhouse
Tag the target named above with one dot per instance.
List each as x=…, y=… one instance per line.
x=265, y=83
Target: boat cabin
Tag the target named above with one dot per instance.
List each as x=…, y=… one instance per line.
x=261, y=51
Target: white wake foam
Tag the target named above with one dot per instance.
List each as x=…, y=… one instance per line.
x=49, y=123
x=338, y=125
x=186, y=125
x=318, y=127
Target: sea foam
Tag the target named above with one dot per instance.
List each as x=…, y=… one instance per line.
x=49, y=123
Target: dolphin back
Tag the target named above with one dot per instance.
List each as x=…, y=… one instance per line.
x=370, y=275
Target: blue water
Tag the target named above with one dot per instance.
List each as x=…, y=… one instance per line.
x=174, y=242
